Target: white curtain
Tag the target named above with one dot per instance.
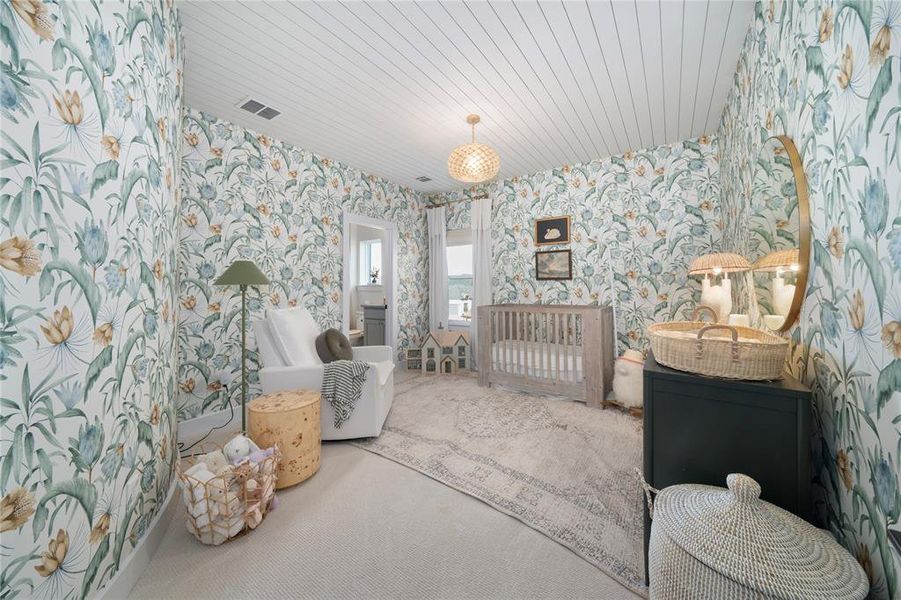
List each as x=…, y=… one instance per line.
x=481, y=266
x=438, y=304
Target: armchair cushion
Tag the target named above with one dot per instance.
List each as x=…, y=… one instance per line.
x=294, y=332
x=269, y=354
x=332, y=345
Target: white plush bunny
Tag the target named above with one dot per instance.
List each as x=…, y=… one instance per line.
x=238, y=448
x=628, y=384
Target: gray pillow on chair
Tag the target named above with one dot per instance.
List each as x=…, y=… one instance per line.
x=332, y=345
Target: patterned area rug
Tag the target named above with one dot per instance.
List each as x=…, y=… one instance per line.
x=560, y=467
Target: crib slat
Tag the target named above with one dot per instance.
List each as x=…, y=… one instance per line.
x=556, y=317
x=517, y=346
x=574, y=336
x=506, y=340
x=493, y=337
x=547, y=346
x=542, y=345
x=530, y=345
x=506, y=336
x=530, y=357
x=524, y=344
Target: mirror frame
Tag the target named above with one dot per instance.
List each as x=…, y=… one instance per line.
x=804, y=229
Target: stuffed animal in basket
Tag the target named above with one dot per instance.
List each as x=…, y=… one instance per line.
x=628, y=383
x=239, y=448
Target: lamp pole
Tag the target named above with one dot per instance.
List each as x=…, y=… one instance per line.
x=243, y=273
x=243, y=358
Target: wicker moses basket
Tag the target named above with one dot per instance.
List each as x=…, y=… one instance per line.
x=717, y=349
x=233, y=501
x=709, y=543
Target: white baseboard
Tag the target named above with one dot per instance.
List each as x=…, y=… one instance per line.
x=192, y=430
x=136, y=562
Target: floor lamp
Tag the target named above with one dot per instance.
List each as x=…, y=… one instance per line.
x=243, y=273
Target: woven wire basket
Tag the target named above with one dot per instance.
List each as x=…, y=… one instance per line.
x=718, y=350
x=225, y=506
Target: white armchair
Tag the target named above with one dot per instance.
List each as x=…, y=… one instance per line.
x=289, y=361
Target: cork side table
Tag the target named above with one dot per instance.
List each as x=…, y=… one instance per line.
x=291, y=420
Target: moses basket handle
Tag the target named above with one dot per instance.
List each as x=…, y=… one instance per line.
x=699, y=353
x=649, y=491
x=696, y=312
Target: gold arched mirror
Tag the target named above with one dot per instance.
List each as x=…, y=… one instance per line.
x=779, y=237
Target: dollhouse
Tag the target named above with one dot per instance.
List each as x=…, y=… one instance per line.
x=441, y=352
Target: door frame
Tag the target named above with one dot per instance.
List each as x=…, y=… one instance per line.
x=389, y=278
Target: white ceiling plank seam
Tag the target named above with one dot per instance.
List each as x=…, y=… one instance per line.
x=384, y=86
x=486, y=81
x=694, y=103
x=617, y=144
x=622, y=56
x=644, y=72
x=607, y=148
x=285, y=101
x=486, y=129
x=485, y=101
x=542, y=122
x=607, y=69
x=538, y=78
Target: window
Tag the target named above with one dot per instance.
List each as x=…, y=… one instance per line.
x=370, y=262
x=459, y=277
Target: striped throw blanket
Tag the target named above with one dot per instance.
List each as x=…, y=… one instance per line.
x=342, y=386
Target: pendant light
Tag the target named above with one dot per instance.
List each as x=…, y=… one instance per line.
x=473, y=163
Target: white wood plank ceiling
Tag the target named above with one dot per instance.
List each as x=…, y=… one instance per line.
x=386, y=86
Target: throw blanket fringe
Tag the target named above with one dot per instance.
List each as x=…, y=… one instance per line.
x=342, y=386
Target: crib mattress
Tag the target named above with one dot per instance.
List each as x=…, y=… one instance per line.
x=520, y=357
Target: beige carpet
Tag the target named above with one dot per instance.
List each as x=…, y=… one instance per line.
x=562, y=468
x=366, y=527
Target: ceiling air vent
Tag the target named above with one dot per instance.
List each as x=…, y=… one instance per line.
x=253, y=106
x=423, y=178
x=258, y=108
x=268, y=113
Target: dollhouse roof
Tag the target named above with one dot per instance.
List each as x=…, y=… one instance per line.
x=447, y=338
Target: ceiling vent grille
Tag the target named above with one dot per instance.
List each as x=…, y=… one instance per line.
x=268, y=113
x=423, y=178
x=259, y=109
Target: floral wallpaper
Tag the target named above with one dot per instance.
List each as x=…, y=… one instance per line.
x=252, y=197
x=827, y=74
x=637, y=222
x=90, y=95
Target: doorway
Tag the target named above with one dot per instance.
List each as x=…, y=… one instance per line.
x=369, y=280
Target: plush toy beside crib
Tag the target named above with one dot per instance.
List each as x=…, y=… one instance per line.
x=628, y=382
x=228, y=490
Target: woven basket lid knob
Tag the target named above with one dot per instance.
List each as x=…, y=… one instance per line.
x=743, y=488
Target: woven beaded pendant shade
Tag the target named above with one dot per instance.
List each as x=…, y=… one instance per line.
x=473, y=163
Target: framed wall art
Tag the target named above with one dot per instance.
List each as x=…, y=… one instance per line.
x=552, y=230
x=553, y=265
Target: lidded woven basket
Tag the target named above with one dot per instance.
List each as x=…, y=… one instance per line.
x=710, y=542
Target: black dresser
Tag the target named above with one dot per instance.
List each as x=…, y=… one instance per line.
x=699, y=429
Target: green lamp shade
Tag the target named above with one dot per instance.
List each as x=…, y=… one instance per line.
x=242, y=272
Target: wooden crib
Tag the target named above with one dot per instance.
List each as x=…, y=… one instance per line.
x=562, y=350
